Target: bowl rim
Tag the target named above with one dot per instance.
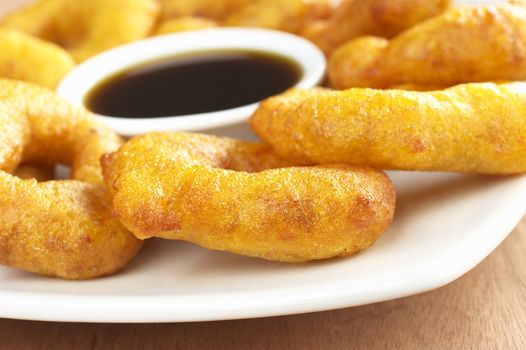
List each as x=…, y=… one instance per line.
x=79, y=82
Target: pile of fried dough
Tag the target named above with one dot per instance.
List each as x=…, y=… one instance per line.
x=414, y=85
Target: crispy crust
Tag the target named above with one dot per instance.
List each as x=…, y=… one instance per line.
x=212, y=9
x=57, y=228
x=287, y=15
x=230, y=195
x=85, y=28
x=476, y=128
x=384, y=18
x=464, y=45
x=30, y=59
x=182, y=24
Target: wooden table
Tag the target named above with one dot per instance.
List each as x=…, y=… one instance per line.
x=485, y=309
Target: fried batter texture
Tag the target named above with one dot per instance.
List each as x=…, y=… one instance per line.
x=184, y=24
x=85, y=28
x=475, y=128
x=24, y=57
x=214, y=9
x=287, y=15
x=240, y=197
x=56, y=228
x=384, y=18
x=470, y=44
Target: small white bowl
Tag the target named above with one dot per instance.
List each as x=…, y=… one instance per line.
x=82, y=79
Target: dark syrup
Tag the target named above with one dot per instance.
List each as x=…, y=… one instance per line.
x=197, y=83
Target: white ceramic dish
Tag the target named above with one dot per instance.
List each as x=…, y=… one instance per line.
x=445, y=224
x=82, y=79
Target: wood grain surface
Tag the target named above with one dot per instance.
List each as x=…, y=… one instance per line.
x=485, y=309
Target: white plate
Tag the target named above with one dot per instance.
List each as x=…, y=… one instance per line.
x=445, y=224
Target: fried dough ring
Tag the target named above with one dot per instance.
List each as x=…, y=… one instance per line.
x=384, y=18
x=470, y=44
x=56, y=228
x=27, y=58
x=226, y=194
x=475, y=128
x=85, y=28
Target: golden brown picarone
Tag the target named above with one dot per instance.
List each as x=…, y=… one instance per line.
x=474, y=128
x=384, y=18
x=86, y=27
x=60, y=228
x=468, y=44
x=240, y=197
x=27, y=58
